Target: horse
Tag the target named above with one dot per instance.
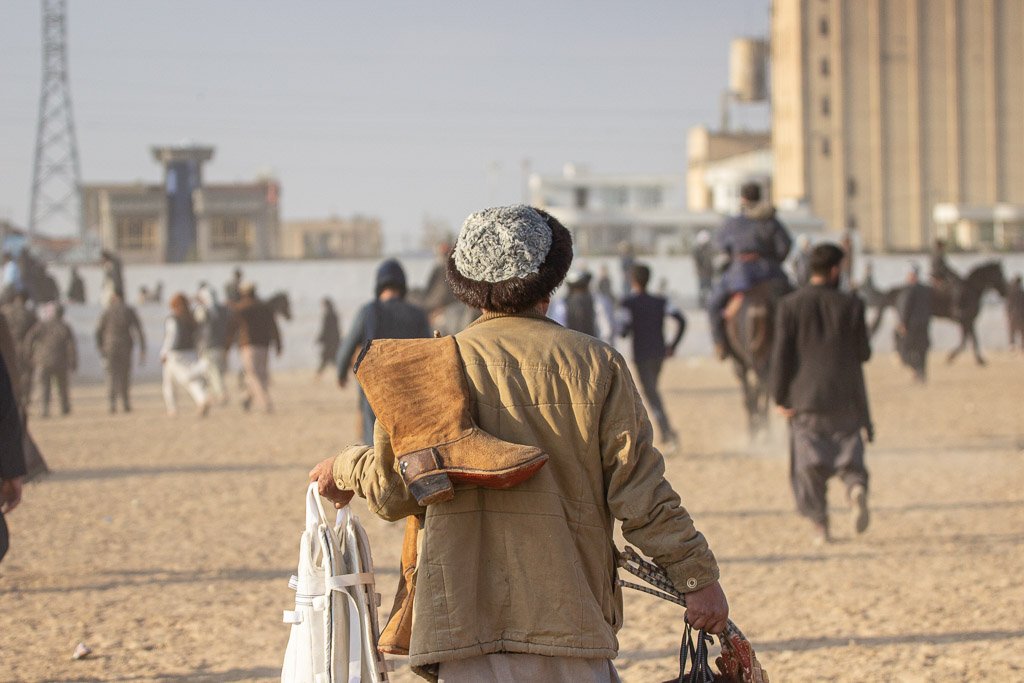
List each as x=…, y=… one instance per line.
x=988, y=275
x=280, y=304
x=750, y=330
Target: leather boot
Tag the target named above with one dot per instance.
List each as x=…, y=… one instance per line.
x=418, y=391
x=395, y=638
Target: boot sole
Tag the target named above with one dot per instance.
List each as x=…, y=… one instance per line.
x=499, y=479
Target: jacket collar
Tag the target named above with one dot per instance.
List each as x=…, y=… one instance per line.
x=492, y=315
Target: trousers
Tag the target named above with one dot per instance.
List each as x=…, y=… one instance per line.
x=45, y=379
x=182, y=369
x=506, y=666
x=119, y=378
x=823, y=446
x=648, y=370
x=256, y=366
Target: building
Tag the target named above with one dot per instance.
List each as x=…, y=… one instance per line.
x=884, y=110
x=184, y=218
x=720, y=162
x=602, y=211
x=334, y=237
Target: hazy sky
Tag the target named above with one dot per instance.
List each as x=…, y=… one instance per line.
x=394, y=109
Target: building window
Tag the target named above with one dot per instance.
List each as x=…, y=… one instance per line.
x=851, y=222
x=823, y=26
x=851, y=187
x=229, y=233
x=825, y=67
x=135, y=233
x=826, y=147
x=826, y=106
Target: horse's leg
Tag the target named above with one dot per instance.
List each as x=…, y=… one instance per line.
x=976, y=345
x=959, y=349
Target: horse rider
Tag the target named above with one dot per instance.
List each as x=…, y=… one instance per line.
x=945, y=278
x=753, y=245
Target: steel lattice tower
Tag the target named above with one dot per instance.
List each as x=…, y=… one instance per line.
x=56, y=203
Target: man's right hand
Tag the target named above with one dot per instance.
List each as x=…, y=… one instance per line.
x=708, y=608
x=10, y=494
x=323, y=475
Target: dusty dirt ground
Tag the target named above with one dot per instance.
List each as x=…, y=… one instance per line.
x=166, y=544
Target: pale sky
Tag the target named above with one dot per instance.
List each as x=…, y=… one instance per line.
x=393, y=109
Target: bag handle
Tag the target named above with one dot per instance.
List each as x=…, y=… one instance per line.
x=316, y=513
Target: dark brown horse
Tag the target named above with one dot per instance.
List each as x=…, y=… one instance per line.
x=749, y=328
x=987, y=276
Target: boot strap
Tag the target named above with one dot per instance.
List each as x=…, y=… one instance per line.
x=419, y=463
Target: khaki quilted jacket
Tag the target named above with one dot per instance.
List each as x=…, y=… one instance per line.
x=532, y=569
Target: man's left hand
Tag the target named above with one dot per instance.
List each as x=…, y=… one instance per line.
x=708, y=608
x=323, y=475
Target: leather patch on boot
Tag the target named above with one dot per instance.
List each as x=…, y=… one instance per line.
x=419, y=463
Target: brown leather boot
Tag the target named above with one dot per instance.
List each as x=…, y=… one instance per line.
x=418, y=391
x=397, y=634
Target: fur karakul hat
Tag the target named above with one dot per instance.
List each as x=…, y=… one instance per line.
x=509, y=258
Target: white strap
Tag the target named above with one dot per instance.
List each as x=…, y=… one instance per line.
x=334, y=583
x=355, y=641
x=292, y=617
x=293, y=583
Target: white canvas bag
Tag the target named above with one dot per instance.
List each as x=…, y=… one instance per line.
x=334, y=623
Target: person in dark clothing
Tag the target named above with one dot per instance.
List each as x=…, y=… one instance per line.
x=704, y=264
x=113, y=275
x=12, y=454
x=945, y=279
x=76, y=287
x=755, y=244
x=388, y=316
x=580, y=311
x=329, y=338
x=54, y=356
x=645, y=324
x=1015, y=313
x=117, y=333
x=212, y=340
x=912, y=340
x=817, y=380
x=254, y=328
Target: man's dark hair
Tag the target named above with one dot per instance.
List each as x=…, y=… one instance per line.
x=825, y=257
x=751, y=192
x=516, y=295
x=641, y=275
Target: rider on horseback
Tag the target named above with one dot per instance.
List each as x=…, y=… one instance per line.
x=753, y=246
x=945, y=279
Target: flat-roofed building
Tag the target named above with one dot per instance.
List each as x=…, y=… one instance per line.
x=883, y=110
x=334, y=237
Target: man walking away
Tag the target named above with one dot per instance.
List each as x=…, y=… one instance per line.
x=645, y=323
x=212, y=340
x=76, y=287
x=329, y=337
x=821, y=341
x=914, y=306
x=117, y=333
x=51, y=346
x=388, y=316
x=755, y=244
x=12, y=455
x=254, y=329
x=580, y=307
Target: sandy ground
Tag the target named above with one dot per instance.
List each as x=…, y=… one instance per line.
x=166, y=544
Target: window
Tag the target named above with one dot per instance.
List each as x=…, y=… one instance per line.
x=229, y=233
x=135, y=233
x=826, y=147
x=825, y=67
x=851, y=187
x=826, y=106
x=851, y=222
x=823, y=26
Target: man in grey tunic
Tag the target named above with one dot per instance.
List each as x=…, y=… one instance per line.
x=117, y=333
x=821, y=342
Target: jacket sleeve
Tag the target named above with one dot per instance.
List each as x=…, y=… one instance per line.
x=137, y=326
x=860, y=331
x=371, y=471
x=638, y=494
x=781, y=240
x=680, y=327
x=783, y=357
x=353, y=340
